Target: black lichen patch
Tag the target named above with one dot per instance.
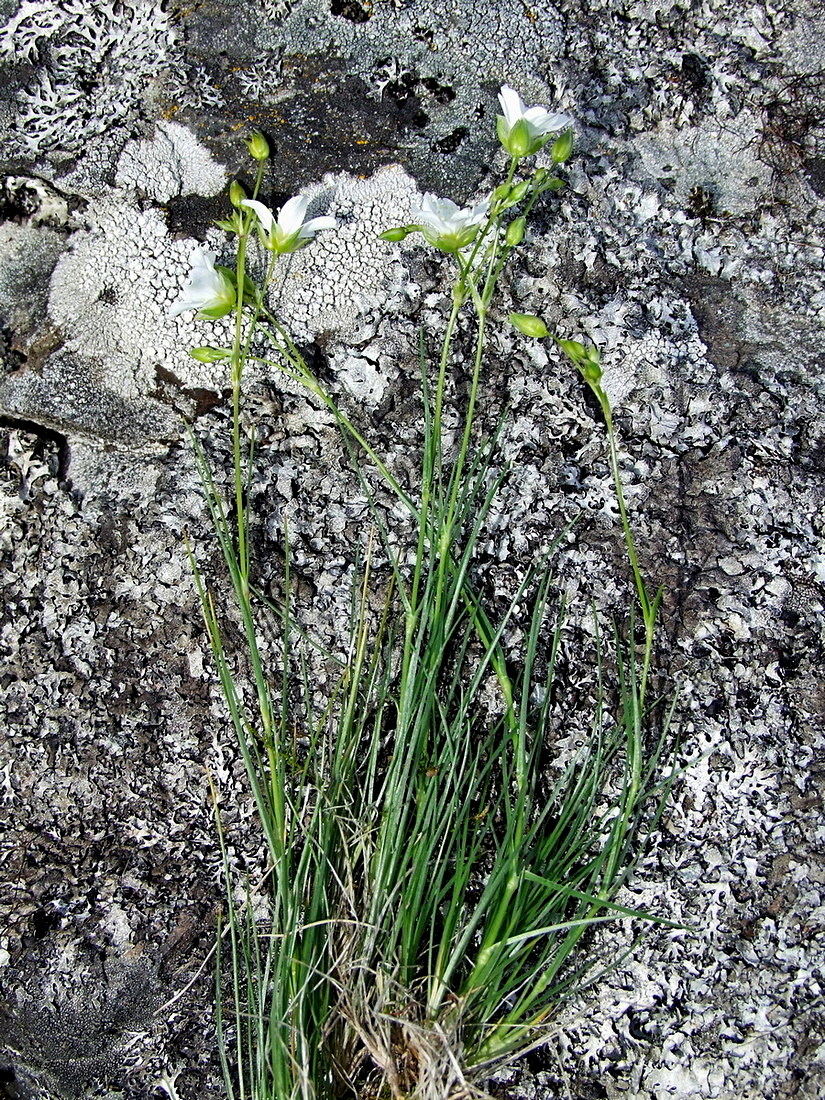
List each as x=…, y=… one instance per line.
x=814, y=169
x=793, y=123
x=191, y=215
x=329, y=124
x=49, y=447
x=72, y=1046
x=322, y=113
x=702, y=204
x=718, y=315
x=352, y=10
x=17, y=203
x=453, y=141
x=190, y=401
x=442, y=93
x=696, y=74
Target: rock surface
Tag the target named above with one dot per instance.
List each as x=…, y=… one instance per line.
x=690, y=246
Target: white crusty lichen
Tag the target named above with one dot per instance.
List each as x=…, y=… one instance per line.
x=326, y=288
x=110, y=293
x=171, y=162
x=95, y=63
x=720, y=158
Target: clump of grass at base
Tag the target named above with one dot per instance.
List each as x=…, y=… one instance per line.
x=428, y=889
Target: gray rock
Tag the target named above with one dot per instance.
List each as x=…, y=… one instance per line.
x=689, y=246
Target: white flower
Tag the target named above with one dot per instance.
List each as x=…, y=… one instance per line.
x=289, y=232
x=447, y=226
x=207, y=290
x=524, y=130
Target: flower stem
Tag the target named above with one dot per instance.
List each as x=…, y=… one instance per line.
x=237, y=364
x=649, y=607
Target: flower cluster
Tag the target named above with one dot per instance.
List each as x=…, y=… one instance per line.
x=211, y=290
x=522, y=132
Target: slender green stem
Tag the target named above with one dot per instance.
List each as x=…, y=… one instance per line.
x=433, y=460
x=242, y=336
x=447, y=532
x=237, y=364
x=301, y=373
x=649, y=607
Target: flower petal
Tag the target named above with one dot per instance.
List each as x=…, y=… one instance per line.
x=511, y=105
x=178, y=307
x=310, y=228
x=291, y=215
x=208, y=290
x=203, y=284
x=479, y=212
x=265, y=215
x=543, y=122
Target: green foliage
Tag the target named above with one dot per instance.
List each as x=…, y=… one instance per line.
x=428, y=885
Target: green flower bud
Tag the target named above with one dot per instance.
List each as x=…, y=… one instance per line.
x=210, y=355
x=591, y=372
x=515, y=232
x=562, y=147
x=573, y=350
x=397, y=234
x=257, y=145
x=236, y=193
x=501, y=193
x=529, y=324
x=519, y=191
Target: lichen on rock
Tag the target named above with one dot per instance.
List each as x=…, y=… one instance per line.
x=689, y=245
x=92, y=66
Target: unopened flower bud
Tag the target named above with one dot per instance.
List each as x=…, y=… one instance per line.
x=236, y=193
x=210, y=355
x=591, y=372
x=397, y=234
x=573, y=350
x=590, y=367
x=257, y=145
x=529, y=324
x=519, y=191
x=515, y=232
x=562, y=147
